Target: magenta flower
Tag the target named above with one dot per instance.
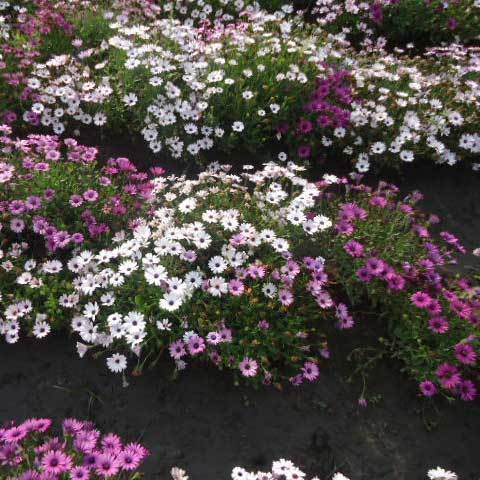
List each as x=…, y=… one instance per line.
x=33, y=202
x=364, y=275
x=129, y=460
x=375, y=266
x=37, y=424
x=56, y=462
x=213, y=338
x=286, y=297
x=236, y=287
x=17, y=207
x=107, y=465
x=72, y=426
x=421, y=299
x=438, y=325
x=248, y=367
x=177, y=350
x=90, y=195
x=76, y=200
x=354, y=248
x=304, y=151
x=196, y=345
x=79, y=473
x=395, y=281
x=14, y=434
x=310, y=371
x=467, y=391
x=428, y=388
x=449, y=376
x=465, y=354
x=226, y=335
x=111, y=441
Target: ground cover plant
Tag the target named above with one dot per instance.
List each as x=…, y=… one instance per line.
x=264, y=267
x=29, y=451
x=54, y=189
x=265, y=285
x=247, y=80
x=421, y=23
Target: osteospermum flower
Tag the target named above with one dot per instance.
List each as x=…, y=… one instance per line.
x=117, y=363
x=107, y=465
x=56, y=462
x=129, y=460
x=421, y=299
x=465, y=353
x=467, y=390
x=14, y=434
x=449, y=376
x=79, y=473
x=441, y=474
x=438, y=325
x=428, y=388
x=248, y=367
x=310, y=371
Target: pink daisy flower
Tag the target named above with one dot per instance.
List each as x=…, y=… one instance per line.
x=467, y=390
x=56, y=462
x=107, y=465
x=177, y=350
x=438, y=325
x=449, y=376
x=310, y=371
x=236, y=287
x=428, y=388
x=196, y=345
x=14, y=434
x=421, y=299
x=465, y=354
x=248, y=367
x=79, y=473
x=90, y=195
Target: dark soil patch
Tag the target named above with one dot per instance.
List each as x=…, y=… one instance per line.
x=203, y=423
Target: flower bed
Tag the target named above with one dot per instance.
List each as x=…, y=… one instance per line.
x=251, y=272
x=54, y=189
x=190, y=78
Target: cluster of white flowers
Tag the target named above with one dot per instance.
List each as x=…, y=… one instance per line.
x=426, y=116
x=183, y=69
x=286, y=470
x=187, y=246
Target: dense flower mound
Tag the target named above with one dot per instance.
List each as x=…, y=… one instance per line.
x=28, y=451
x=286, y=470
x=250, y=272
x=192, y=76
x=388, y=109
x=29, y=31
x=55, y=190
x=177, y=83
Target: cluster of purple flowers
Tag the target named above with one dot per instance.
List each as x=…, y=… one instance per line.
x=27, y=452
x=422, y=284
x=216, y=343
x=91, y=202
x=326, y=110
x=33, y=25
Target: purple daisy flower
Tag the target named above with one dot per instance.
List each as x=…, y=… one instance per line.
x=248, y=367
x=196, y=345
x=428, y=388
